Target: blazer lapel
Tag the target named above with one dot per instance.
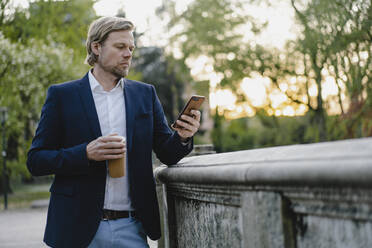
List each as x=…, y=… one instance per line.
x=130, y=99
x=90, y=108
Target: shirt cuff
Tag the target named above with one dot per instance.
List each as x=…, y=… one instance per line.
x=187, y=142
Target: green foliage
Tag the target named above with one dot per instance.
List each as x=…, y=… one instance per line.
x=217, y=132
x=266, y=131
x=25, y=74
x=212, y=28
x=156, y=68
x=236, y=136
x=62, y=22
x=40, y=45
x=336, y=43
x=24, y=195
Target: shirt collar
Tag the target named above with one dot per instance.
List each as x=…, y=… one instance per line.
x=96, y=86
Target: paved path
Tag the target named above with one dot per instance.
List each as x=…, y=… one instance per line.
x=24, y=228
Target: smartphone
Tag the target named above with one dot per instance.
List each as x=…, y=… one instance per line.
x=195, y=103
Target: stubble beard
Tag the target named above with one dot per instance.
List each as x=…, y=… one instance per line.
x=115, y=70
x=120, y=72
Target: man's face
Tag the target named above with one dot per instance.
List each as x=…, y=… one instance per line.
x=115, y=54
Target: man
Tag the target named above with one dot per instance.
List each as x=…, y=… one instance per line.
x=77, y=134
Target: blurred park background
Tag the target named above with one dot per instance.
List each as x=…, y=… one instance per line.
x=274, y=72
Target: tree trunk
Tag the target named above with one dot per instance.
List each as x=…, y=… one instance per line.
x=2, y=190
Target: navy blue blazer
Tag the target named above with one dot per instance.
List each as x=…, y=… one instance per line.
x=67, y=124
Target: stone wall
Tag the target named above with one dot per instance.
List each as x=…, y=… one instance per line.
x=315, y=195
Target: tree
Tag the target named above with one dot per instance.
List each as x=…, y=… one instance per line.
x=156, y=68
x=337, y=43
x=212, y=28
x=39, y=45
x=63, y=22
x=25, y=74
x=332, y=44
x=4, y=5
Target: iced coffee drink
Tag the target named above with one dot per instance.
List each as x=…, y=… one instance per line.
x=116, y=167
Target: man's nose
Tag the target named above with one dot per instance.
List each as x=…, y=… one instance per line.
x=127, y=53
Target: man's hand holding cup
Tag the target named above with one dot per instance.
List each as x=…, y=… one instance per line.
x=112, y=148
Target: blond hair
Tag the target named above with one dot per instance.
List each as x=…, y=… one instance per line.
x=100, y=29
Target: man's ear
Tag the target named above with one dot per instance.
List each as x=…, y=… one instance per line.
x=96, y=48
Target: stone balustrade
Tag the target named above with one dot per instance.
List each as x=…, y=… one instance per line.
x=313, y=195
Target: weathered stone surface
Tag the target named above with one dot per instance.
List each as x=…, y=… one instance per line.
x=262, y=220
x=204, y=224
x=323, y=232
x=315, y=195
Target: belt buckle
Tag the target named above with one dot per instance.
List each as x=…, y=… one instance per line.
x=105, y=217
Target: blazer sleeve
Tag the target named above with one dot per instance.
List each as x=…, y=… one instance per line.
x=167, y=143
x=46, y=155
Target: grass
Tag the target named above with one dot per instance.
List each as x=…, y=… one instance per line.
x=23, y=195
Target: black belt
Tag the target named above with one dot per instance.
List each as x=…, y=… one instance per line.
x=114, y=214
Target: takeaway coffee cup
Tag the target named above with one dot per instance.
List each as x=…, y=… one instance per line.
x=116, y=167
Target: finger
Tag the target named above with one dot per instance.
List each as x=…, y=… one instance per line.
x=174, y=128
x=190, y=120
x=187, y=118
x=178, y=129
x=110, y=145
x=104, y=137
x=113, y=151
x=112, y=139
x=186, y=126
x=196, y=113
x=181, y=131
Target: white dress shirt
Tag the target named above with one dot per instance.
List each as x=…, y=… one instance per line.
x=110, y=106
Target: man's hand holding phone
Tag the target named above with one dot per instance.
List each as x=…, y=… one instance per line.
x=188, y=121
x=187, y=126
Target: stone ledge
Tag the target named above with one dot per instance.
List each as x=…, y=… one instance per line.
x=315, y=195
x=344, y=163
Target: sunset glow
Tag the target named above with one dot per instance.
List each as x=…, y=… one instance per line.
x=260, y=93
